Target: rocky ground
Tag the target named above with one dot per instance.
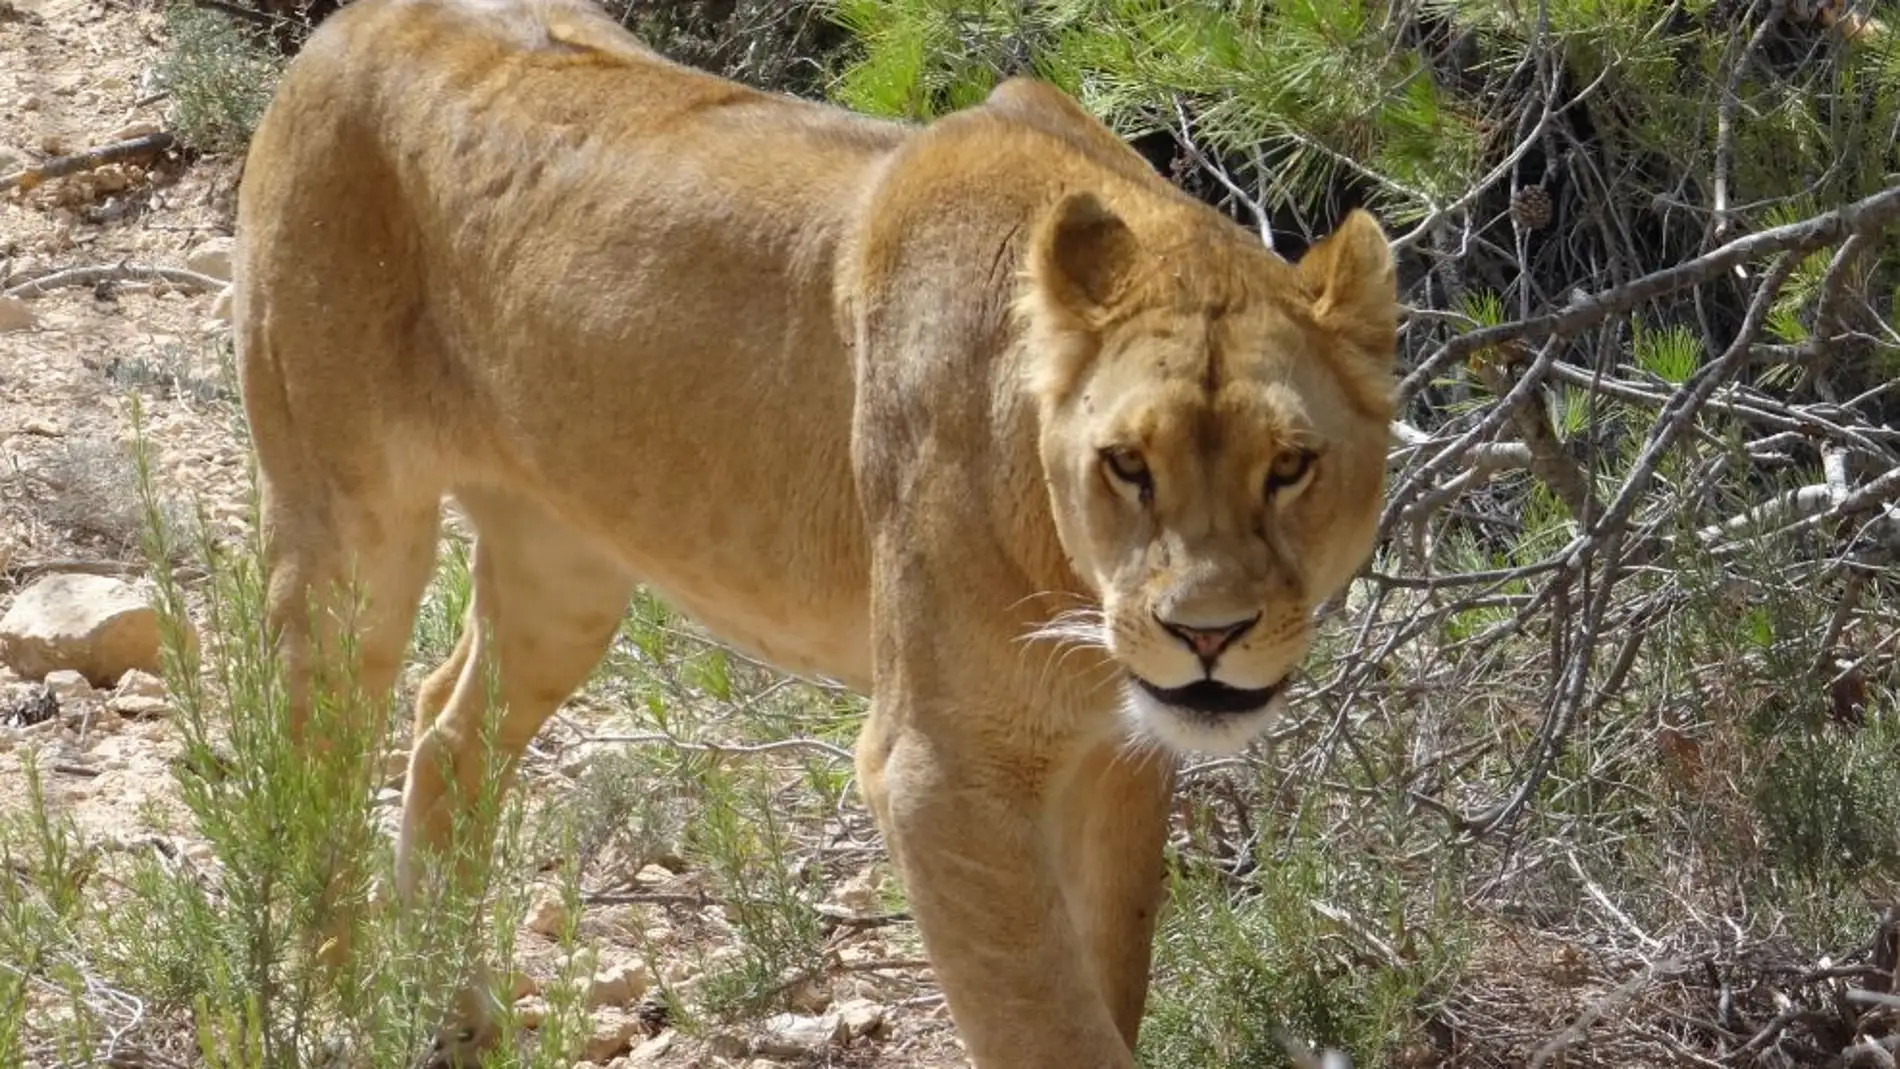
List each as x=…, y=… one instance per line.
x=78, y=684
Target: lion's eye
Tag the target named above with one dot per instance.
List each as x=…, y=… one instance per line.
x=1129, y=467
x=1290, y=469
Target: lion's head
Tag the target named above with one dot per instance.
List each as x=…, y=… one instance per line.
x=1213, y=432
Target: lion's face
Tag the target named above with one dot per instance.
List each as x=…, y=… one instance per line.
x=1213, y=437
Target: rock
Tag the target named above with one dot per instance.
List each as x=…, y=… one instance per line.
x=11, y=159
x=651, y=1051
x=613, y=1034
x=530, y=1012
x=861, y=1017
x=93, y=624
x=139, y=695
x=809, y=995
x=221, y=308
x=547, y=915
x=860, y=893
x=618, y=985
x=521, y=985
x=133, y=707
x=139, y=684
x=212, y=257
x=791, y=1035
x=16, y=314
x=136, y=128
x=67, y=685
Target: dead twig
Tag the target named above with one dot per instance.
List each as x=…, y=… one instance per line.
x=59, y=167
x=1865, y=215
x=124, y=272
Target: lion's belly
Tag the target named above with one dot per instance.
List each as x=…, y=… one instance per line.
x=791, y=592
x=738, y=508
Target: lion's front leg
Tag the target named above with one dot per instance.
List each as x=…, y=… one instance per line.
x=1113, y=820
x=970, y=834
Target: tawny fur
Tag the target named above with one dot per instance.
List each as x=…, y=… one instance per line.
x=841, y=390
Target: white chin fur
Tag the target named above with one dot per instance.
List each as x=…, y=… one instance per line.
x=1185, y=732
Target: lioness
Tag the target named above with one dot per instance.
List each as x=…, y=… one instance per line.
x=981, y=418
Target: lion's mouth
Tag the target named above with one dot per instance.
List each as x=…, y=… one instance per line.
x=1210, y=697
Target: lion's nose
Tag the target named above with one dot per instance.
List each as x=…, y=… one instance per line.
x=1208, y=643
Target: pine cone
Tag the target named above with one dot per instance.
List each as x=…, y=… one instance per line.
x=1531, y=207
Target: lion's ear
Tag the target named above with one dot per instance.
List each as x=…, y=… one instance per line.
x=1081, y=258
x=1349, y=275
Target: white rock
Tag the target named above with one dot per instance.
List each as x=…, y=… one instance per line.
x=221, y=308
x=861, y=1017
x=139, y=695
x=93, y=624
x=138, y=684
x=133, y=707
x=136, y=128
x=211, y=256
x=613, y=1034
x=790, y=1035
x=547, y=915
x=67, y=684
x=651, y=1051
x=619, y=984
x=15, y=314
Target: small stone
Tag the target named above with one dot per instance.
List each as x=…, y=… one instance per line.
x=395, y=767
x=15, y=314
x=93, y=624
x=530, y=1012
x=613, y=1034
x=138, y=684
x=67, y=685
x=521, y=985
x=200, y=852
x=809, y=995
x=133, y=707
x=221, y=308
x=212, y=257
x=138, y=128
x=619, y=984
x=547, y=915
x=139, y=695
x=861, y=1017
x=791, y=1035
x=651, y=1051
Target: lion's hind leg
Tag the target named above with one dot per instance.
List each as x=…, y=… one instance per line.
x=346, y=563
x=546, y=603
